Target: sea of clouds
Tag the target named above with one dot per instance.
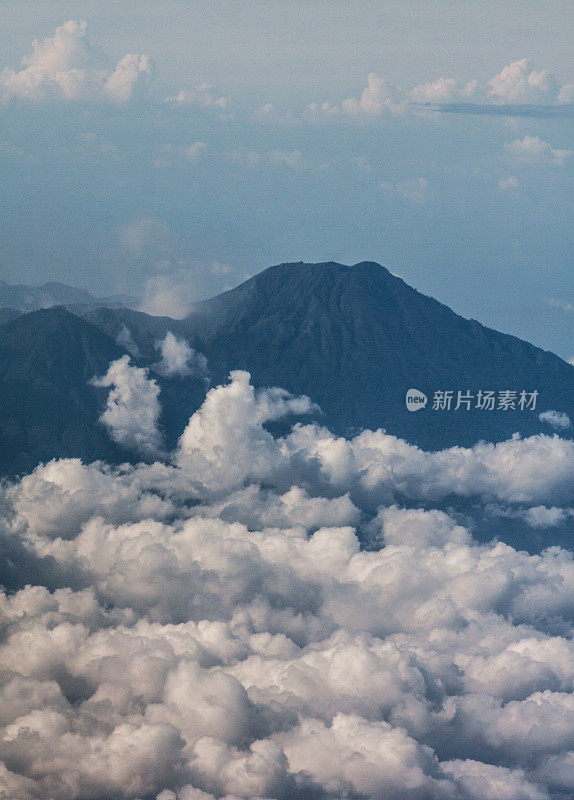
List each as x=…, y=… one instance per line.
x=290, y=617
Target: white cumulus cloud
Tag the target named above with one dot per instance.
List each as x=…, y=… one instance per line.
x=379, y=96
x=65, y=66
x=201, y=95
x=133, y=407
x=518, y=82
x=533, y=149
x=179, y=359
x=443, y=90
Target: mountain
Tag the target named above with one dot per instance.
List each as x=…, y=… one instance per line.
x=8, y=314
x=48, y=407
x=357, y=338
x=31, y=298
x=138, y=332
x=353, y=338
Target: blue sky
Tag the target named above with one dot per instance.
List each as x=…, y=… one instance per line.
x=173, y=149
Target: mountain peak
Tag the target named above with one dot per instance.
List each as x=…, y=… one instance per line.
x=333, y=268
x=357, y=338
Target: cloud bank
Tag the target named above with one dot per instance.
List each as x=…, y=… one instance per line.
x=518, y=83
x=214, y=627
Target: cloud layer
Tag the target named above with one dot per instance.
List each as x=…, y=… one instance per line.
x=518, y=83
x=214, y=627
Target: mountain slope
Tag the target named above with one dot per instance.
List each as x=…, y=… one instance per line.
x=357, y=338
x=354, y=339
x=134, y=329
x=47, y=406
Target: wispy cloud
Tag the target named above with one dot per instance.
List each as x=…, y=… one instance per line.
x=563, y=305
x=414, y=189
x=508, y=184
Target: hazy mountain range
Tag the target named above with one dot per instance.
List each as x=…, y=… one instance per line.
x=22, y=297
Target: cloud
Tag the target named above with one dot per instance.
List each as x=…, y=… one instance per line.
x=245, y=157
x=443, y=90
x=269, y=113
x=131, y=76
x=201, y=95
x=58, y=498
x=319, y=110
x=226, y=445
x=216, y=626
x=140, y=235
x=373, y=759
x=67, y=67
x=389, y=467
x=173, y=279
x=168, y=295
x=543, y=517
x=292, y=159
x=180, y=283
x=518, y=82
x=179, y=359
x=414, y=189
x=534, y=150
x=225, y=442
x=253, y=159
x=518, y=90
x=484, y=781
x=193, y=152
x=133, y=407
x=506, y=110
x=563, y=305
x=566, y=94
x=508, y=184
x=126, y=340
x=556, y=419
x=379, y=96
x=172, y=155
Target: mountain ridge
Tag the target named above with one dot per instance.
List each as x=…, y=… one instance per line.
x=354, y=339
x=29, y=297
x=370, y=336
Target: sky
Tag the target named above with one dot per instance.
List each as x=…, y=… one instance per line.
x=169, y=150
